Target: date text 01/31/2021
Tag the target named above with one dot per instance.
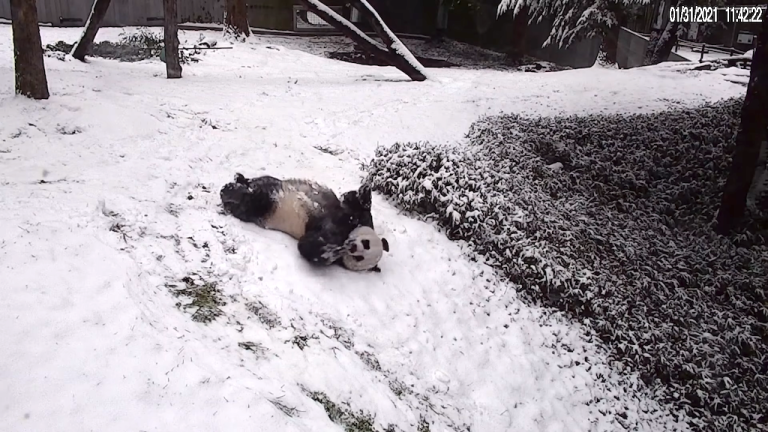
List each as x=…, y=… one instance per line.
x=707, y=14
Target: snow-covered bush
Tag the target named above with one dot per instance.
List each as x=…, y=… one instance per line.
x=608, y=218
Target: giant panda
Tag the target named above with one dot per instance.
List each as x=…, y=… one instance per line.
x=307, y=211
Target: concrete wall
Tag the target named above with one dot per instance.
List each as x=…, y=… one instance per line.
x=580, y=54
x=121, y=13
x=631, y=50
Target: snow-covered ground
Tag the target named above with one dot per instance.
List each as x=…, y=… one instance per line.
x=717, y=66
x=108, y=199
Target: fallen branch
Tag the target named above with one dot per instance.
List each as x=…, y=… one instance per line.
x=349, y=30
x=85, y=43
x=394, y=46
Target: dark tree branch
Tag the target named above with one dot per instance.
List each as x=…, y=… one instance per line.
x=84, y=44
x=29, y=66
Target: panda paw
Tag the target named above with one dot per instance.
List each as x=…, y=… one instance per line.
x=332, y=253
x=337, y=252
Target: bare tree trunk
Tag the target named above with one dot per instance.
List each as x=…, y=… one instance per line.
x=31, y=80
x=83, y=46
x=401, y=56
x=171, y=45
x=400, y=59
x=611, y=44
x=237, y=17
x=753, y=130
x=666, y=42
x=518, y=30
x=650, y=48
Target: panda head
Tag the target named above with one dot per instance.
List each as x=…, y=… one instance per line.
x=365, y=249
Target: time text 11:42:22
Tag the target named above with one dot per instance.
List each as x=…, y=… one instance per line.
x=708, y=14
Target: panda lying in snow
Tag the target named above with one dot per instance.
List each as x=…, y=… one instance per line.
x=329, y=230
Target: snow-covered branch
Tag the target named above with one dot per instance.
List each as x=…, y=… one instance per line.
x=572, y=19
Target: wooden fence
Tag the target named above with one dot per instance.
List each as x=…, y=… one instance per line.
x=64, y=13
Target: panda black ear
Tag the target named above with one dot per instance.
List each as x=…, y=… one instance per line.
x=385, y=244
x=364, y=195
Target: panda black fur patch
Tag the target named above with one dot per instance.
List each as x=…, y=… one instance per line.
x=366, y=244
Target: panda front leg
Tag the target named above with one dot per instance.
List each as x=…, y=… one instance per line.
x=316, y=249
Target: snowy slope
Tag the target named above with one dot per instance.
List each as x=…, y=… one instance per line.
x=108, y=196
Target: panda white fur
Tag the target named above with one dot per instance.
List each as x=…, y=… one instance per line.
x=303, y=209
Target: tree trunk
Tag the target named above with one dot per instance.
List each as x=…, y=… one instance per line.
x=31, y=80
x=517, y=36
x=171, y=45
x=650, y=48
x=611, y=44
x=428, y=14
x=753, y=130
x=374, y=19
x=664, y=45
x=401, y=56
x=83, y=46
x=400, y=59
x=237, y=18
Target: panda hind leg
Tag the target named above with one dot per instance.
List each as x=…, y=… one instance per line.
x=250, y=200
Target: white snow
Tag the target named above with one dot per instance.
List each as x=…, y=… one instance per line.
x=734, y=74
x=132, y=164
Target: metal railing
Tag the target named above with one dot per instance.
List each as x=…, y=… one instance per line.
x=704, y=49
